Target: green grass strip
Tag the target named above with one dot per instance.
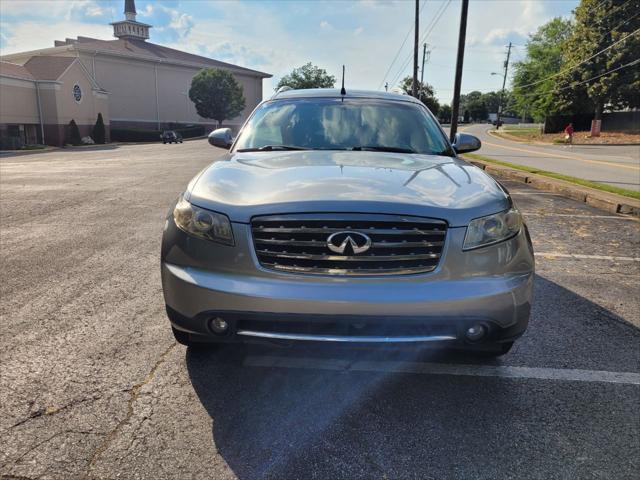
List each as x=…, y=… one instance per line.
x=578, y=181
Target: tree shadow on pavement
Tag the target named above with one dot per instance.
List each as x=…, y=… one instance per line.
x=271, y=422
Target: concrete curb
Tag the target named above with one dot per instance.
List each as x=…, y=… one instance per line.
x=513, y=138
x=609, y=202
x=95, y=146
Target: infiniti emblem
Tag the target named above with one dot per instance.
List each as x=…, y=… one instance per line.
x=339, y=242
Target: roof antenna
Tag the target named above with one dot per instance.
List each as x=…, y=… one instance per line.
x=342, y=90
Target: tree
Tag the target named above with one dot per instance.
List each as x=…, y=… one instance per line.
x=492, y=101
x=599, y=24
x=73, y=133
x=533, y=90
x=99, y=130
x=425, y=94
x=216, y=94
x=474, y=103
x=307, y=76
x=444, y=114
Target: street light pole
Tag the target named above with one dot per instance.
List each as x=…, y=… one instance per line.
x=424, y=55
x=414, y=88
x=455, y=105
x=504, y=82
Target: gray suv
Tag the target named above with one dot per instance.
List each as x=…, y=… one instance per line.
x=346, y=217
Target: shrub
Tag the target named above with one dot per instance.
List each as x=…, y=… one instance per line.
x=146, y=135
x=99, y=130
x=134, y=135
x=73, y=134
x=190, y=132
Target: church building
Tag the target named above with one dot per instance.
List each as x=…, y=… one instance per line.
x=130, y=81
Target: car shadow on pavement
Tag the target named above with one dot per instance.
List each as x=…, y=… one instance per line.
x=273, y=422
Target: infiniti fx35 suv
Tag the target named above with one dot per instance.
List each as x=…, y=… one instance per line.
x=346, y=218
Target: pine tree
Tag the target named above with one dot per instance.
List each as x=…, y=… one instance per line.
x=99, y=130
x=73, y=133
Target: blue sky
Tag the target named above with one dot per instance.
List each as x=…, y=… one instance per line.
x=275, y=36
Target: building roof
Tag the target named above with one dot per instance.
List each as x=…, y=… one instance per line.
x=48, y=68
x=154, y=52
x=335, y=93
x=8, y=69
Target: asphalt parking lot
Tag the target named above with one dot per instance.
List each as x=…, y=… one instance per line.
x=93, y=386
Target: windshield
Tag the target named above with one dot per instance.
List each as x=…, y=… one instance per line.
x=337, y=124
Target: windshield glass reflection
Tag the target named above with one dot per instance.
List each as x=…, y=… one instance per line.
x=337, y=124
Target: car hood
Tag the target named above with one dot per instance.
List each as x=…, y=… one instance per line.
x=244, y=185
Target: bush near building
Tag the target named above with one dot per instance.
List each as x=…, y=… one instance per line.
x=145, y=135
x=73, y=134
x=99, y=132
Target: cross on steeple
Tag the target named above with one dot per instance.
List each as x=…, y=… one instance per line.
x=130, y=28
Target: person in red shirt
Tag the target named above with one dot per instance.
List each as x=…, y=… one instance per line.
x=569, y=133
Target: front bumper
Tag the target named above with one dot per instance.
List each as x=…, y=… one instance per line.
x=491, y=286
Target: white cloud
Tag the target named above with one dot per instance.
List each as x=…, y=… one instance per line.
x=19, y=36
x=257, y=35
x=68, y=9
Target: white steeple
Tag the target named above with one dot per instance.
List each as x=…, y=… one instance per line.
x=130, y=28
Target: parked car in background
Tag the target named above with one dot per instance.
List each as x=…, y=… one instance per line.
x=171, y=136
x=346, y=218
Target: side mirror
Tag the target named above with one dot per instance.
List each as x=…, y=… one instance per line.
x=221, y=137
x=465, y=143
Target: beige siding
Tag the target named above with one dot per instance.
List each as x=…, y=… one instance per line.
x=18, y=101
x=173, y=94
x=131, y=84
x=86, y=111
x=252, y=90
x=131, y=87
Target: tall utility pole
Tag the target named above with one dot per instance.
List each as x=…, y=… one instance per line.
x=455, y=105
x=424, y=54
x=414, y=88
x=504, y=82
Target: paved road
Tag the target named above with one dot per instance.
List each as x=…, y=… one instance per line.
x=93, y=386
x=615, y=165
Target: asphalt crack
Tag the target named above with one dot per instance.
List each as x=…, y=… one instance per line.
x=49, y=411
x=41, y=443
x=134, y=392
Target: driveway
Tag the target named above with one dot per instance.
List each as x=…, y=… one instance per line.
x=617, y=165
x=93, y=386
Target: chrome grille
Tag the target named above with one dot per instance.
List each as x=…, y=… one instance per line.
x=298, y=243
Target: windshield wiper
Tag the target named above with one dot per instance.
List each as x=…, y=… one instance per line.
x=381, y=148
x=268, y=148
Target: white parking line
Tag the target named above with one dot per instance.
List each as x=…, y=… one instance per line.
x=579, y=215
x=526, y=192
x=586, y=257
x=561, y=374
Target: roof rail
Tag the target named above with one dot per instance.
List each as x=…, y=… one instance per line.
x=283, y=88
x=398, y=90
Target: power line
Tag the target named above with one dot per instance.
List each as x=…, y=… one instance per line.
x=578, y=64
x=399, y=49
x=430, y=28
x=575, y=84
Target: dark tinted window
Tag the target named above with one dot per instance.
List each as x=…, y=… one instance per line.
x=334, y=124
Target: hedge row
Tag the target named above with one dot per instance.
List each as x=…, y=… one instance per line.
x=142, y=135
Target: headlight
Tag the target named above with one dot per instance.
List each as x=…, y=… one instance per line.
x=492, y=229
x=202, y=223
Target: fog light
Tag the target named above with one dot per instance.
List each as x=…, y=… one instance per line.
x=218, y=325
x=476, y=333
